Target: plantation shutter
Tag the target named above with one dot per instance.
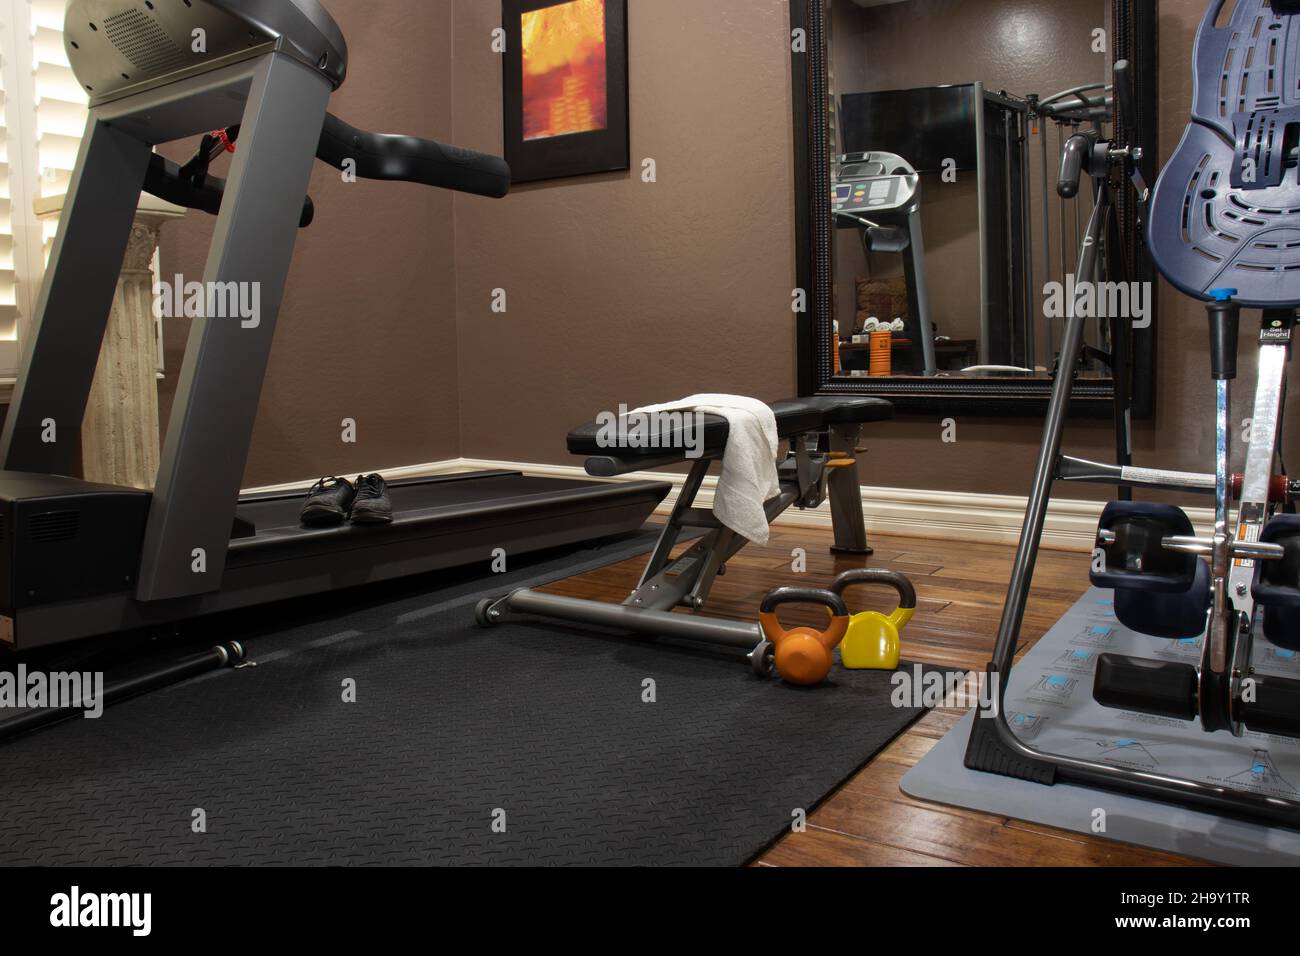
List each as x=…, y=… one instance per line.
x=43, y=117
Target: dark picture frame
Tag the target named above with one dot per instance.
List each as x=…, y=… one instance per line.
x=1134, y=34
x=569, y=154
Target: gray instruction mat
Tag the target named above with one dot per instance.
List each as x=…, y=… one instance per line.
x=1049, y=704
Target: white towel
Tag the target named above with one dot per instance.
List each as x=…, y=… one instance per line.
x=749, y=476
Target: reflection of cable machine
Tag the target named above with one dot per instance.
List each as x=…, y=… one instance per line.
x=1080, y=115
x=1081, y=111
x=880, y=195
x=1006, y=260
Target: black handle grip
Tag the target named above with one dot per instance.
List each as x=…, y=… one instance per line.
x=1125, y=97
x=1149, y=687
x=899, y=582
x=781, y=596
x=168, y=182
x=1074, y=159
x=1225, y=341
x=413, y=160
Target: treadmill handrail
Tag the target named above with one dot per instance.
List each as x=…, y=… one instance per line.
x=384, y=156
x=412, y=159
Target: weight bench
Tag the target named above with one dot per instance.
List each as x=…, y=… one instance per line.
x=821, y=436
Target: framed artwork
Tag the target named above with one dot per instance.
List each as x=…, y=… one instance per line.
x=566, y=103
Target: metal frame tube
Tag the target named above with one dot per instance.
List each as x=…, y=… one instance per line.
x=1093, y=472
x=224, y=655
x=845, y=488
x=915, y=257
x=1040, y=496
x=981, y=173
x=1219, y=638
x=621, y=617
x=220, y=383
x=1060, y=212
x=1029, y=317
x=1047, y=238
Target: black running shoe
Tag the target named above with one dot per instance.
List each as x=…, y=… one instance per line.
x=328, y=503
x=372, y=505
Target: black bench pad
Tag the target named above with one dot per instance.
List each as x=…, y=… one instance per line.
x=793, y=417
x=851, y=410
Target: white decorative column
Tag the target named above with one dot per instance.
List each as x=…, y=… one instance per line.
x=120, y=435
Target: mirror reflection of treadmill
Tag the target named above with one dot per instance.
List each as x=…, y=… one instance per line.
x=968, y=128
x=879, y=194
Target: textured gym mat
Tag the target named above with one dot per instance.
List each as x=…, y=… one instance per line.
x=526, y=744
x=1049, y=704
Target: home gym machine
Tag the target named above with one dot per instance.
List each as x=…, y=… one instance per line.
x=79, y=559
x=1079, y=116
x=822, y=435
x=879, y=194
x=1224, y=226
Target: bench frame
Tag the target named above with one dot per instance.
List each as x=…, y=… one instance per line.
x=819, y=464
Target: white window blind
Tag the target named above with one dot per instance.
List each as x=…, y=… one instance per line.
x=44, y=116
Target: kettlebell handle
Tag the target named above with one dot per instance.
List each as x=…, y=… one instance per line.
x=774, y=632
x=899, y=582
x=781, y=596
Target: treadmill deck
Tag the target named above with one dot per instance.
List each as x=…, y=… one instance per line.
x=441, y=522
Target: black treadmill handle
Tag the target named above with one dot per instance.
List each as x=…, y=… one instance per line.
x=165, y=180
x=413, y=160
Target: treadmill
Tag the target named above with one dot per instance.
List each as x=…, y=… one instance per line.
x=879, y=194
x=79, y=559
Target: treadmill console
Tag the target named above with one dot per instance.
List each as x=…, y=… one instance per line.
x=868, y=183
x=865, y=195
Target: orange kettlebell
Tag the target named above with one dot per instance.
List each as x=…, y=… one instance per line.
x=804, y=655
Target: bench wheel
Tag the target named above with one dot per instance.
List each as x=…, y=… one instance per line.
x=763, y=660
x=481, y=615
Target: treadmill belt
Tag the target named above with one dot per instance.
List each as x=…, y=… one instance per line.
x=422, y=495
x=536, y=729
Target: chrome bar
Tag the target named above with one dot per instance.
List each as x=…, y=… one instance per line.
x=1255, y=550
x=1264, y=433
x=1083, y=470
x=1220, y=618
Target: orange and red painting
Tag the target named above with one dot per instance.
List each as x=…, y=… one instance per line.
x=564, y=70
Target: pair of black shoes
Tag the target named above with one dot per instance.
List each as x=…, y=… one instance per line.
x=333, y=501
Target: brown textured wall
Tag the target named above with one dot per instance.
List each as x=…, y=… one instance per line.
x=368, y=327
x=625, y=291
x=618, y=290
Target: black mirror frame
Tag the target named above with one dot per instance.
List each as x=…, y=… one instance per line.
x=1134, y=37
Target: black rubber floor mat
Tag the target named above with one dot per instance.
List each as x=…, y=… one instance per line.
x=527, y=744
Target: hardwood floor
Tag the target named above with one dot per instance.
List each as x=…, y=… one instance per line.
x=870, y=821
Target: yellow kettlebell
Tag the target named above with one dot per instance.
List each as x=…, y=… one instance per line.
x=874, y=641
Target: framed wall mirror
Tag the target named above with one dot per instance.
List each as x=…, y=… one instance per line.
x=937, y=252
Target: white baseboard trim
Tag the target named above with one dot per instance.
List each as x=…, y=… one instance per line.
x=985, y=519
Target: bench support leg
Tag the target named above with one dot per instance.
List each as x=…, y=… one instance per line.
x=846, y=496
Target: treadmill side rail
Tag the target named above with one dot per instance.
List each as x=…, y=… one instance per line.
x=220, y=384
